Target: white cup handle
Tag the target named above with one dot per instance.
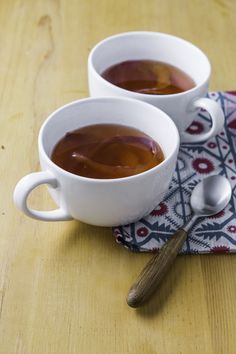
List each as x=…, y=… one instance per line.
x=217, y=117
x=24, y=188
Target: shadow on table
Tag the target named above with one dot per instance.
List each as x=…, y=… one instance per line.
x=98, y=239
x=81, y=238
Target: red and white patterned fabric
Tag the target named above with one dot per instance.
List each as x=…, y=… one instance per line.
x=215, y=234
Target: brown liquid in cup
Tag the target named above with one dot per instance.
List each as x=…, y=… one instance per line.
x=149, y=77
x=107, y=151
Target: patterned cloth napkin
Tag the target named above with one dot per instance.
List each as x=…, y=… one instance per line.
x=215, y=234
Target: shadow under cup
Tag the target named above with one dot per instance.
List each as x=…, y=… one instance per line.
x=103, y=202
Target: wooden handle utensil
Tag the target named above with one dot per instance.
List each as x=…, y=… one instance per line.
x=151, y=276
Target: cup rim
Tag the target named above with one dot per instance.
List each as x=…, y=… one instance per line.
x=105, y=180
x=139, y=95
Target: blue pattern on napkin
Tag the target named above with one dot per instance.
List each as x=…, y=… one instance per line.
x=215, y=234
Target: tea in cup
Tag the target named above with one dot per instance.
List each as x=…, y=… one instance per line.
x=149, y=77
x=163, y=70
x=106, y=187
x=107, y=151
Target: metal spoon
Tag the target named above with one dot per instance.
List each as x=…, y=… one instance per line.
x=209, y=197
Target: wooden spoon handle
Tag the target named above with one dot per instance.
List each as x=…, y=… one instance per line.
x=151, y=276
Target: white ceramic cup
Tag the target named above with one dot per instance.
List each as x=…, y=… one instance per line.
x=103, y=202
x=181, y=107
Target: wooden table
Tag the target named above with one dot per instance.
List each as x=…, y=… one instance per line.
x=63, y=285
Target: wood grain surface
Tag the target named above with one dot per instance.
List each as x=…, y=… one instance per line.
x=63, y=285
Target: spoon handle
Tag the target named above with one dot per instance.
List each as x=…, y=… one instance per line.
x=151, y=276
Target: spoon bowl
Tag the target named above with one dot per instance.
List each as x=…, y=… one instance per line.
x=210, y=196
